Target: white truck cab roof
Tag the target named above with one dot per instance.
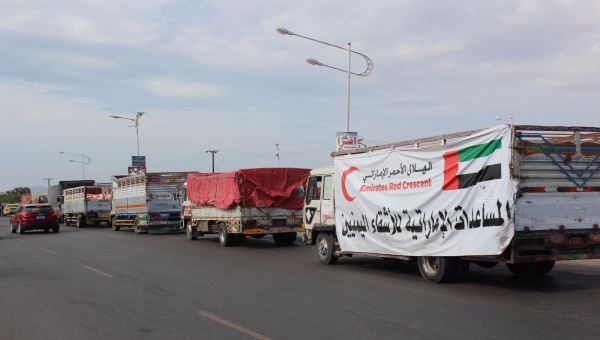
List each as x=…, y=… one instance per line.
x=329, y=170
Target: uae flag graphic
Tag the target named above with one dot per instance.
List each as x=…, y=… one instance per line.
x=475, y=157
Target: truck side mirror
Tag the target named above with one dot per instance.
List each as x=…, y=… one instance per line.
x=299, y=191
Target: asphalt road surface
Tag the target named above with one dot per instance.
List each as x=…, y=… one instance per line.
x=95, y=283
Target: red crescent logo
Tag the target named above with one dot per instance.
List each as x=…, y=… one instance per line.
x=344, y=191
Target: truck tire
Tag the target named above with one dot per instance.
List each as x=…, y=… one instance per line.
x=79, y=222
x=284, y=239
x=439, y=269
x=226, y=239
x=531, y=269
x=326, y=248
x=113, y=224
x=191, y=232
x=137, y=229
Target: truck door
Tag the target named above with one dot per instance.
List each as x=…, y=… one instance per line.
x=312, y=203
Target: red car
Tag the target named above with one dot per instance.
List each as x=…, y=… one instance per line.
x=34, y=217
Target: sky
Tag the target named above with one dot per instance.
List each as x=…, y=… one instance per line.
x=217, y=75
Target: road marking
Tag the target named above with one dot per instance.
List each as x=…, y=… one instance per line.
x=20, y=239
x=48, y=251
x=99, y=272
x=233, y=326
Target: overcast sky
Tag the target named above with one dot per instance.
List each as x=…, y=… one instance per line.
x=215, y=74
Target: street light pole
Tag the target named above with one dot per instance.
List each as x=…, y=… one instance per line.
x=136, y=125
x=85, y=159
x=315, y=62
x=213, y=152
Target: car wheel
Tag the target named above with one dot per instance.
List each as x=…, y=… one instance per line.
x=56, y=228
x=46, y=230
x=20, y=229
x=326, y=248
x=12, y=228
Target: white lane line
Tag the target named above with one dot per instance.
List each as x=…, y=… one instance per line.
x=233, y=326
x=99, y=272
x=48, y=251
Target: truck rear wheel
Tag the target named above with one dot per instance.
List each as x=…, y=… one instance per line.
x=225, y=238
x=326, y=248
x=284, y=238
x=531, y=269
x=439, y=269
x=191, y=232
x=79, y=221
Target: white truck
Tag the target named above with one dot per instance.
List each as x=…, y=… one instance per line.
x=523, y=195
x=86, y=205
x=148, y=203
x=246, y=202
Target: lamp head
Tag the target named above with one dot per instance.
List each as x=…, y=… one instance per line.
x=283, y=31
x=314, y=62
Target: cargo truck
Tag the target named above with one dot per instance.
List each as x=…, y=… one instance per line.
x=86, y=205
x=246, y=202
x=522, y=195
x=55, y=193
x=147, y=203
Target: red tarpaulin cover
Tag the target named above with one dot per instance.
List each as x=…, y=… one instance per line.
x=250, y=188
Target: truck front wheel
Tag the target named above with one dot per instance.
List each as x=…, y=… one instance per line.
x=531, y=269
x=438, y=269
x=326, y=248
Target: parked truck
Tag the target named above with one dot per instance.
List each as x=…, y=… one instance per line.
x=86, y=205
x=246, y=202
x=55, y=193
x=148, y=203
x=523, y=195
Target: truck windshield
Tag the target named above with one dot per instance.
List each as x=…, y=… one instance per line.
x=314, y=188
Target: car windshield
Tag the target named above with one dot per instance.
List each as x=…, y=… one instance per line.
x=38, y=209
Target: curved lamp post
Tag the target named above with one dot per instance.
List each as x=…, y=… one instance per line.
x=85, y=159
x=136, y=125
x=315, y=62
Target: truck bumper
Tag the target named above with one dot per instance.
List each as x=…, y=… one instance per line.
x=170, y=227
x=555, y=246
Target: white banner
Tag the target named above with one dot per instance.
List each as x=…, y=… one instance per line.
x=451, y=200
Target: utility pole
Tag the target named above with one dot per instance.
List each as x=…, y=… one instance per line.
x=48, y=179
x=213, y=152
x=277, y=154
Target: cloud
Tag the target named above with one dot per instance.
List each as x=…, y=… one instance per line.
x=170, y=87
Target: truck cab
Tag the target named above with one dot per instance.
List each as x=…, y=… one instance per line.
x=319, y=211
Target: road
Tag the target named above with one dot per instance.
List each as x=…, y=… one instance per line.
x=95, y=283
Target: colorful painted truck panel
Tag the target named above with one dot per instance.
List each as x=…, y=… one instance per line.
x=246, y=202
x=524, y=195
x=148, y=203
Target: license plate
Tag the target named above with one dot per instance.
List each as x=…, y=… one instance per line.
x=41, y=217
